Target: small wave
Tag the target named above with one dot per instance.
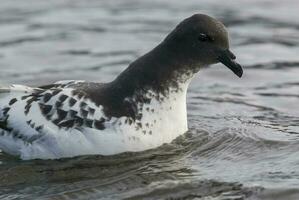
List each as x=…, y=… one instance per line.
x=233, y=101
x=28, y=39
x=284, y=42
x=19, y=41
x=274, y=65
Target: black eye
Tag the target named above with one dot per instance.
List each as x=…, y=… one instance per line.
x=204, y=38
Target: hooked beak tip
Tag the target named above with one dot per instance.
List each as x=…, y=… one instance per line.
x=240, y=72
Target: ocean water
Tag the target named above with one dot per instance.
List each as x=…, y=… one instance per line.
x=243, y=141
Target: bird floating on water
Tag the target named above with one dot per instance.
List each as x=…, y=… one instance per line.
x=144, y=107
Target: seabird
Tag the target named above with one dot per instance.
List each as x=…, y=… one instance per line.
x=144, y=107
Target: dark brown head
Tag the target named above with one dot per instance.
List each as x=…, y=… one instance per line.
x=202, y=40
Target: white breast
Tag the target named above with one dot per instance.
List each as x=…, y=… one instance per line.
x=161, y=122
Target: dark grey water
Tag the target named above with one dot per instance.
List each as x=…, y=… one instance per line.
x=243, y=141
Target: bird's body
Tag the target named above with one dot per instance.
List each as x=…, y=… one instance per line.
x=144, y=107
x=57, y=122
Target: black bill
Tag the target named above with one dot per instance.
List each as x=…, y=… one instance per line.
x=227, y=58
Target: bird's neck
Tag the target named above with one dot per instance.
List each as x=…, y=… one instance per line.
x=160, y=70
x=162, y=76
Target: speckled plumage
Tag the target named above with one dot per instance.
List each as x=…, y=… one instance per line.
x=45, y=130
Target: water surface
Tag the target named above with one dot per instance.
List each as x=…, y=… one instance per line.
x=243, y=140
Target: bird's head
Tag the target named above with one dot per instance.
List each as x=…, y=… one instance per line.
x=202, y=40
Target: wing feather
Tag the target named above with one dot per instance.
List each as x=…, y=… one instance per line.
x=39, y=117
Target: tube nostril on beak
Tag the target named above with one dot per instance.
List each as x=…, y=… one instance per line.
x=231, y=55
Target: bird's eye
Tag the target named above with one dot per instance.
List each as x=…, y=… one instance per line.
x=204, y=38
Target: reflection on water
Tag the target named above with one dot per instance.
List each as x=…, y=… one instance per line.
x=243, y=138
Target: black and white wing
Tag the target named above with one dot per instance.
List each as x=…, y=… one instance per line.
x=31, y=117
